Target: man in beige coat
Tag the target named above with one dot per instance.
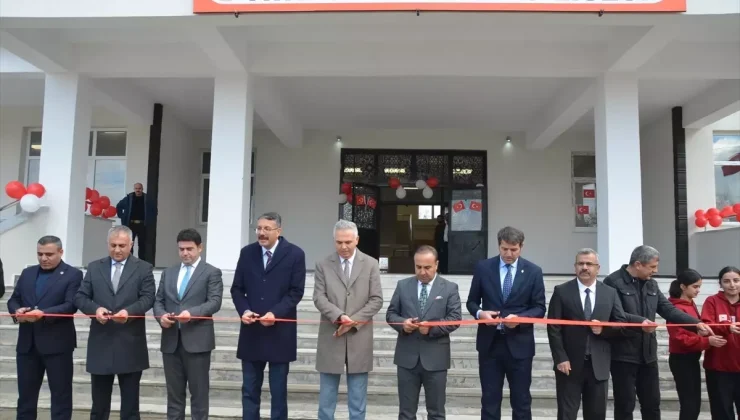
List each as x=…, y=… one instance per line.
x=348, y=293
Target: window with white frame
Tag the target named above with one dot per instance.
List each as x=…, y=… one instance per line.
x=106, y=163
x=726, y=155
x=429, y=212
x=584, y=190
x=205, y=188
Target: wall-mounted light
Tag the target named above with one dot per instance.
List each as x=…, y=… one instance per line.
x=339, y=139
x=508, y=139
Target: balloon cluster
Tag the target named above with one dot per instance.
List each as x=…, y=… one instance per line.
x=98, y=206
x=714, y=217
x=424, y=186
x=30, y=197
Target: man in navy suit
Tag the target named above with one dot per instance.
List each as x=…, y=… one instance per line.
x=503, y=288
x=268, y=283
x=45, y=344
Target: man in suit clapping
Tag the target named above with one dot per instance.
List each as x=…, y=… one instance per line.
x=191, y=289
x=422, y=351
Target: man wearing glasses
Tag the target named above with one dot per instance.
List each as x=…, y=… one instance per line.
x=268, y=284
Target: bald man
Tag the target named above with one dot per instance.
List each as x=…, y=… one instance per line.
x=137, y=210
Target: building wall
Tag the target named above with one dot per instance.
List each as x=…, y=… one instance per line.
x=658, y=214
x=527, y=189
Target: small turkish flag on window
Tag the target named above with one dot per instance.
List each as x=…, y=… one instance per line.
x=589, y=193
x=360, y=200
x=582, y=209
x=476, y=206
x=371, y=202
x=458, y=207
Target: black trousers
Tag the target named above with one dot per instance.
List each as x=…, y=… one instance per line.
x=493, y=368
x=571, y=388
x=630, y=379
x=102, y=389
x=139, y=231
x=724, y=394
x=59, y=370
x=687, y=375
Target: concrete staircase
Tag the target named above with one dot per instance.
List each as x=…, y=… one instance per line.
x=463, y=391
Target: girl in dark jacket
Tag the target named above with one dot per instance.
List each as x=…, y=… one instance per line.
x=722, y=364
x=686, y=346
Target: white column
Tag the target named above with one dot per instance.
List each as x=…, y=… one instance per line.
x=618, y=171
x=230, y=178
x=63, y=166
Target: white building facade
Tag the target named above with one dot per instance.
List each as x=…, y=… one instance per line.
x=596, y=129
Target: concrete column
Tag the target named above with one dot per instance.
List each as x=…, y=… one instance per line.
x=618, y=171
x=63, y=166
x=230, y=178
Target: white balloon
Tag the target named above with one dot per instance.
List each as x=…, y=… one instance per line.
x=400, y=193
x=427, y=192
x=30, y=203
x=420, y=184
x=342, y=198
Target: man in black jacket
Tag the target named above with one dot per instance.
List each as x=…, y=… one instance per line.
x=635, y=353
x=2, y=280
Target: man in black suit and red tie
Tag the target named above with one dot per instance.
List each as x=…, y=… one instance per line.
x=504, y=288
x=45, y=343
x=268, y=284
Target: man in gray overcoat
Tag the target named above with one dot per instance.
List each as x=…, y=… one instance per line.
x=113, y=290
x=348, y=293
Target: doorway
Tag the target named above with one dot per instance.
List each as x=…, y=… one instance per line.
x=393, y=224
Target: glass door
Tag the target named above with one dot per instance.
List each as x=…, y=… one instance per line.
x=468, y=230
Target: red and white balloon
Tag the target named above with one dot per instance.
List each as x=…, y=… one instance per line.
x=29, y=197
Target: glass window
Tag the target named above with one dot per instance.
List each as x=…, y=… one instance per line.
x=206, y=188
x=34, y=144
x=584, y=190
x=429, y=212
x=110, y=178
x=111, y=143
x=32, y=171
x=205, y=165
x=726, y=152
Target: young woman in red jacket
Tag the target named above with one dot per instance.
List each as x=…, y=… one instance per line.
x=686, y=346
x=722, y=364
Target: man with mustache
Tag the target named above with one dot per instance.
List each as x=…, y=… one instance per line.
x=268, y=284
x=582, y=354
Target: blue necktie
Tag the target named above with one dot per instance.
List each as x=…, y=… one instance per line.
x=185, y=280
x=507, y=282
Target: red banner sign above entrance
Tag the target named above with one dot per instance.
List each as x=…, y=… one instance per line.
x=249, y=6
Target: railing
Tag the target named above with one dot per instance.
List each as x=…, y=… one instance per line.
x=9, y=205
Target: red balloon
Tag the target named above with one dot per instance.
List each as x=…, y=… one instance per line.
x=88, y=193
x=36, y=189
x=726, y=212
x=394, y=183
x=699, y=213
x=15, y=189
x=347, y=188
x=350, y=198
x=110, y=212
x=712, y=212
x=736, y=209
x=104, y=202
x=432, y=182
x=701, y=222
x=96, y=209
x=94, y=196
x=715, y=221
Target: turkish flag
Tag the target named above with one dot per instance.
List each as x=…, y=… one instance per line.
x=371, y=202
x=476, y=206
x=589, y=193
x=360, y=200
x=458, y=207
x=582, y=209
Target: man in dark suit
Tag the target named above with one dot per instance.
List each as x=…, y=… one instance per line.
x=2, y=280
x=582, y=355
x=423, y=352
x=503, y=288
x=269, y=282
x=137, y=210
x=190, y=289
x=635, y=353
x=114, y=289
x=45, y=344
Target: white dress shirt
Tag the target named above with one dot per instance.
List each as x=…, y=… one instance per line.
x=113, y=266
x=429, y=288
x=183, y=270
x=272, y=251
x=582, y=292
x=350, y=260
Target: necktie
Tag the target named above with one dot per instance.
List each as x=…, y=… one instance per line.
x=423, y=296
x=269, y=258
x=116, y=277
x=507, y=282
x=185, y=280
x=587, y=314
x=347, y=269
